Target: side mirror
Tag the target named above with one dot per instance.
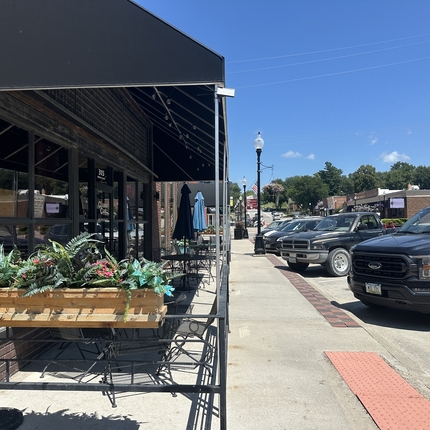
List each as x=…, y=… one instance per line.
x=362, y=226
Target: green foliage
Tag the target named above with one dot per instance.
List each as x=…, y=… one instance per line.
x=364, y=178
x=274, y=192
x=398, y=222
x=308, y=189
x=400, y=175
x=54, y=265
x=332, y=177
x=421, y=177
x=235, y=191
x=240, y=225
x=80, y=264
x=8, y=265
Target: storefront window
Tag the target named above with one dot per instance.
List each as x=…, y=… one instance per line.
x=51, y=180
x=13, y=193
x=14, y=235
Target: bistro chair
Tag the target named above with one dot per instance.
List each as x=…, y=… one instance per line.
x=188, y=332
x=92, y=344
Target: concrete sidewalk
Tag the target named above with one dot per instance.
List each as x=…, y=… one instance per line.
x=278, y=374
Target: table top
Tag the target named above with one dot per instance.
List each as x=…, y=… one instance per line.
x=183, y=257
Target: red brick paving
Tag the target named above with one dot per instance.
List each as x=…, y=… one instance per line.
x=389, y=399
x=335, y=316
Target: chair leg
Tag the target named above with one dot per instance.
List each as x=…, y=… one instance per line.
x=63, y=347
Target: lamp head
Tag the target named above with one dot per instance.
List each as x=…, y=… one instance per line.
x=258, y=143
x=244, y=181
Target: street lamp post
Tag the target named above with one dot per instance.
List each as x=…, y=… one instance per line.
x=259, y=244
x=385, y=211
x=245, y=232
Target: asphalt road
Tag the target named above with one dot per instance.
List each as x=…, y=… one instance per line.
x=404, y=334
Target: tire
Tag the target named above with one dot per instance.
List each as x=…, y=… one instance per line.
x=338, y=262
x=298, y=267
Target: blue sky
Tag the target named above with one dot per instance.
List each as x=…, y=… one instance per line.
x=344, y=81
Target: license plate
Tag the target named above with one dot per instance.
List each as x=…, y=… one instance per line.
x=373, y=288
x=292, y=260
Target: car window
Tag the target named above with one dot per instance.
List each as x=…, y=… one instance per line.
x=311, y=224
x=417, y=224
x=370, y=221
x=292, y=226
x=336, y=223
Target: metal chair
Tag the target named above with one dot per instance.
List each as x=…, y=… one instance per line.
x=189, y=331
x=98, y=338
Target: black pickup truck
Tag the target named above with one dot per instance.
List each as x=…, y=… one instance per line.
x=330, y=242
x=394, y=270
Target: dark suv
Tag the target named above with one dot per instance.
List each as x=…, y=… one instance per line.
x=394, y=270
x=329, y=243
x=273, y=239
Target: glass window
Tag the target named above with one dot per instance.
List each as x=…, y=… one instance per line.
x=13, y=171
x=51, y=198
x=14, y=236
x=13, y=193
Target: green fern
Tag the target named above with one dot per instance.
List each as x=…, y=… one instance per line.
x=8, y=265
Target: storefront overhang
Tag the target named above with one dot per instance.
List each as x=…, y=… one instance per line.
x=73, y=44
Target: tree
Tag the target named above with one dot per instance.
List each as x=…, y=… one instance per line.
x=400, y=175
x=422, y=177
x=381, y=179
x=364, y=178
x=332, y=177
x=308, y=189
x=346, y=185
x=235, y=191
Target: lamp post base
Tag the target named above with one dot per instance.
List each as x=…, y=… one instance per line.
x=245, y=234
x=259, y=245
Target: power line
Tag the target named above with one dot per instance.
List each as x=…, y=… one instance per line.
x=326, y=50
x=326, y=59
x=333, y=74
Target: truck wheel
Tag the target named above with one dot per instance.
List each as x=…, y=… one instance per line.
x=338, y=262
x=298, y=267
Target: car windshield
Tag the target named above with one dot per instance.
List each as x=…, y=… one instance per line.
x=418, y=224
x=292, y=226
x=336, y=223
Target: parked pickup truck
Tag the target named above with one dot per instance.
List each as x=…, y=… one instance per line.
x=330, y=242
x=394, y=270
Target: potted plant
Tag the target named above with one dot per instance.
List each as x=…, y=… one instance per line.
x=239, y=229
x=75, y=285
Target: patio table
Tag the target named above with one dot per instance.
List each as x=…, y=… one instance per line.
x=186, y=259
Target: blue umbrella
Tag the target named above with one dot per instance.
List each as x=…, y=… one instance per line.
x=199, y=223
x=184, y=223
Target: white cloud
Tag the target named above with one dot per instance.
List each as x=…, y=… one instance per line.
x=373, y=139
x=311, y=157
x=292, y=154
x=393, y=157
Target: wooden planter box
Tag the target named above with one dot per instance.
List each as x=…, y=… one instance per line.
x=81, y=307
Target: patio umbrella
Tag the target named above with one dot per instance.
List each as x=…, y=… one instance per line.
x=184, y=224
x=199, y=223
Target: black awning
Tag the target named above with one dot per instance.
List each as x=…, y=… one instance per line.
x=97, y=43
x=70, y=44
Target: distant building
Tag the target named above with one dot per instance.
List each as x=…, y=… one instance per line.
x=390, y=203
